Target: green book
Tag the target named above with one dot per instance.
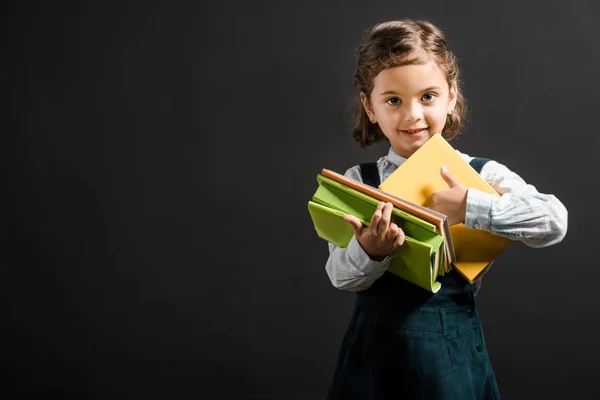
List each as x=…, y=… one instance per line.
x=419, y=260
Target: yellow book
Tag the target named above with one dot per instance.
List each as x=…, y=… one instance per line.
x=419, y=177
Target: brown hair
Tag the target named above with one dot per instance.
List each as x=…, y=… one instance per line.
x=393, y=44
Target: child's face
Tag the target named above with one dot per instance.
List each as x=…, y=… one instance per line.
x=410, y=103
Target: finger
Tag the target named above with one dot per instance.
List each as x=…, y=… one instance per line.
x=356, y=224
x=399, y=239
x=448, y=178
x=386, y=217
x=376, y=217
x=392, y=233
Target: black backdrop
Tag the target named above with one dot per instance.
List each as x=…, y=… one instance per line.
x=159, y=156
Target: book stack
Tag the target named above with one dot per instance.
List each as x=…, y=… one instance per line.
x=432, y=247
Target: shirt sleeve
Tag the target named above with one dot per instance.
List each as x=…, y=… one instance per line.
x=351, y=268
x=520, y=213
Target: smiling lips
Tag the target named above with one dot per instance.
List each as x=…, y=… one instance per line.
x=413, y=131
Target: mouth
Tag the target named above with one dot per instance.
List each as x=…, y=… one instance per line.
x=413, y=131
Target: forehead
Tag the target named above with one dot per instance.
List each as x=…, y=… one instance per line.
x=408, y=79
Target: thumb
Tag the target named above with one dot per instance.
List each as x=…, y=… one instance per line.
x=449, y=179
x=356, y=224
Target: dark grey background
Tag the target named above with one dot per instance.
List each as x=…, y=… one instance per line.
x=159, y=156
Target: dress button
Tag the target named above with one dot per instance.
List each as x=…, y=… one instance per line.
x=476, y=225
x=479, y=347
x=470, y=313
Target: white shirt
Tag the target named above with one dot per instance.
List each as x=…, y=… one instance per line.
x=521, y=213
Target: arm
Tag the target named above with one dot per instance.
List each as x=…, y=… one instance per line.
x=521, y=213
x=352, y=268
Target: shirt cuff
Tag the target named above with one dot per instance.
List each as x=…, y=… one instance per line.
x=479, y=210
x=361, y=259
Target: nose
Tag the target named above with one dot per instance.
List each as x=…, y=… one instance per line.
x=414, y=112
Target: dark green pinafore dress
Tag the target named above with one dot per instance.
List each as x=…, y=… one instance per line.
x=406, y=343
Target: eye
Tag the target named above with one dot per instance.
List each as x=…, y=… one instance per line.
x=428, y=97
x=393, y=101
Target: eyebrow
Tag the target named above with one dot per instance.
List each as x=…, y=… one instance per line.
x=425, y=90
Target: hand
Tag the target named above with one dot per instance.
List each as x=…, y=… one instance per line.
x=451, y=202
x=382, y=236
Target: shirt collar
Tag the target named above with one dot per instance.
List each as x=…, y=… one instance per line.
x=394, y=158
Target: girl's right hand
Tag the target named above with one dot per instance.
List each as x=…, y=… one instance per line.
x=382, y=236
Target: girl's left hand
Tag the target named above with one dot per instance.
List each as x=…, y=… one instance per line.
x=451, y=202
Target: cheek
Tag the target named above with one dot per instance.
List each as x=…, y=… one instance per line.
x=437, y=117
x=391, y=117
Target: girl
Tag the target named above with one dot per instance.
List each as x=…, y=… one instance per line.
x=402, y=341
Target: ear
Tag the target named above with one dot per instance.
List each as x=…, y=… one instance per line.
x=452, y=96
x=367, y=106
